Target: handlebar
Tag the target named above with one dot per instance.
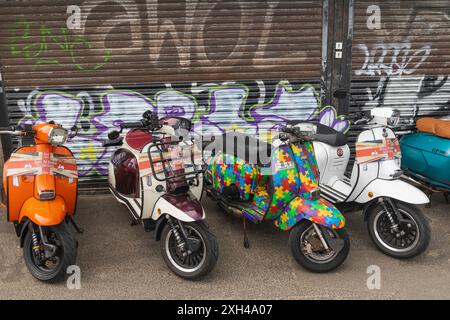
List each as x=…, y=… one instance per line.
x=149, y=120
x=132, y=125
x=14, y=130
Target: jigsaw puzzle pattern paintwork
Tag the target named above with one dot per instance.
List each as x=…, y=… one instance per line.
x=286, y=198
x=227, y=170
x=318, y=211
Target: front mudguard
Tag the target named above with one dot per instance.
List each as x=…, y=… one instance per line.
x=319, y=211
x=395, y=189
x=44, y=213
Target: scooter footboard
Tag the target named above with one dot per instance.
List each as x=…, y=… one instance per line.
x=318, y=211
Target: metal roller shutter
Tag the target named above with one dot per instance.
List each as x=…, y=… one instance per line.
x=232, y=64
x=406, y=62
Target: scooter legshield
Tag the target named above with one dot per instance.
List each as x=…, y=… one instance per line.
x=44, y=213
x=318, y=211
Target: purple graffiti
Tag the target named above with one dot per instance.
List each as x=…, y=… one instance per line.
x=224, y=110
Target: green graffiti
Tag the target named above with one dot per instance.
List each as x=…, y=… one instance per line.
x=38, y=48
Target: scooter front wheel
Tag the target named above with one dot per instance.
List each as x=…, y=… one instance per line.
x=402, y=238
x=309, y=251
x=50, y=268
x=195, y=262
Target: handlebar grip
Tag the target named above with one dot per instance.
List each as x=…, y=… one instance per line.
x=131, y=125
x=11, y=128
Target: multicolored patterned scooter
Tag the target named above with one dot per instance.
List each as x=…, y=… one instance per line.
x=284, y=188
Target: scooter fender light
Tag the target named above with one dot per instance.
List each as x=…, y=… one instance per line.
x=158, y=211
x=370, y=194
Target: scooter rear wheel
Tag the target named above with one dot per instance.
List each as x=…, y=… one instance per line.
x=197, y=264
x=412, y=237
x=54, y=269
x=303, y=238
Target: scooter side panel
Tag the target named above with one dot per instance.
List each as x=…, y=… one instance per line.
x=427, y=155
x=227, y=170
x=317, y=211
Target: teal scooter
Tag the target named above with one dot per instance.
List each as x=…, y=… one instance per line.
x=426, y=156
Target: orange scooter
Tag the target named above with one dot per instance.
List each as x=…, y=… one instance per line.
x=40, y=185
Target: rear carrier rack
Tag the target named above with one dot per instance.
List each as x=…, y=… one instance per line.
x=161, y=156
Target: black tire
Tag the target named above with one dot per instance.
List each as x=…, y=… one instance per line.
x=419, y=245
x=209, y=250
x=309, y=263
x=67, y=255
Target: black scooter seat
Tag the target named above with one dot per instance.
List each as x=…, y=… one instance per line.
x=330, y=136
x=245, y=147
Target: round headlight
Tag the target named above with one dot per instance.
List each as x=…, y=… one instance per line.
x=57, y=136
x=394, y=119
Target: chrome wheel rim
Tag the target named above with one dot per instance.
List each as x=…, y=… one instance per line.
x=389, y=240
x=190, y=263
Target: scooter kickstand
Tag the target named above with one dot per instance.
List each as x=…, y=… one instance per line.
x=429, y=194
x=134, y=222
x=75, y=226
x=246, y=241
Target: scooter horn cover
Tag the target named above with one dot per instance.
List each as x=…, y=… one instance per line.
x=318, y=211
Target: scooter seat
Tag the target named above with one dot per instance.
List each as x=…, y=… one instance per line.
x=246, y=147
x=330, y=136
x=439, y=127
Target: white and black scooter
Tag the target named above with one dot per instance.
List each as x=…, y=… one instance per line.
x=157, y=173
x=396, y=224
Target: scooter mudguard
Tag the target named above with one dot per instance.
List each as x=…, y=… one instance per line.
x=44, y=213
x=396, y=189
x=318, y=211
x=182, y=207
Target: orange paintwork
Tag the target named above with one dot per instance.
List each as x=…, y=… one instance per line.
x=44, y=213
x=42, y=131
x=23, y=200
x=44, y=182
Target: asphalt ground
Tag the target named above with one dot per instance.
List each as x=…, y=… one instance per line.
x=119, y=261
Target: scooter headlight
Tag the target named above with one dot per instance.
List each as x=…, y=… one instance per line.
x=394, y=119
x=58, y=136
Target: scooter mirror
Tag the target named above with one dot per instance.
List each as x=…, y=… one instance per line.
x=340, y=93
x=113, y=135
x=147, y=114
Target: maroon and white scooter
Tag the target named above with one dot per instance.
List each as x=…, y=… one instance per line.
x=157, y=173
